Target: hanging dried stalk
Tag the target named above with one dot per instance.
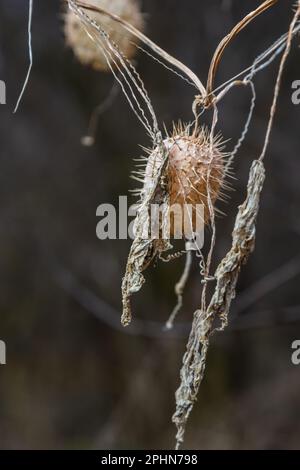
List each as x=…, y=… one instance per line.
x=212, y=314
x=205, y=322
x=85, y=50
x=226, y=41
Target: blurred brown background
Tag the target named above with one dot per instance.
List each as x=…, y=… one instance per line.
x=74, y=378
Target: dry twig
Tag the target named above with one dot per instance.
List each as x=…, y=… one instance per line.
x=212, y=314
x=30, y=56
x=205, y=322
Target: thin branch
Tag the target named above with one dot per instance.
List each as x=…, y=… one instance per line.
x=245, y=129
x=143, y=38
x=110, y=316
x=88, y=140
x=179, y=289
x=267, y=284
x=279, y=80
x=106, y=313
x=227, y=40
x=30, y=56
x=215, y=317
x=204, y=323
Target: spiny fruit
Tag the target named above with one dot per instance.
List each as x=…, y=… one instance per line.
x=194, y=174
x=87, y=51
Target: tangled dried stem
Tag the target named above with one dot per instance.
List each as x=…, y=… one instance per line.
x=215, y=317
x=86, y=50
x=226, y=41
x=159, y=188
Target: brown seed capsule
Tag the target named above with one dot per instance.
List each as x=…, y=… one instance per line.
x=85, y=49
x=194, y=177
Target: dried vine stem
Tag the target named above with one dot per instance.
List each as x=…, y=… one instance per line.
x=279, y=79
x=30, y=56
x=206, y=95
x=194, y=360
x=143, y=38
x=226, y=41
x=144, y=248
x=180, y=286
x=213, y=314
x=215, y=317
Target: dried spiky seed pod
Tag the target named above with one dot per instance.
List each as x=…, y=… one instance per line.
x=194, y=175
x=87, y=51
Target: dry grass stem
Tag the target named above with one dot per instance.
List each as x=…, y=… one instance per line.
x=204, y=323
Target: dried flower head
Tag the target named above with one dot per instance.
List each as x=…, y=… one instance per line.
x=87, y=51
x=183, y=169
x=194, y=175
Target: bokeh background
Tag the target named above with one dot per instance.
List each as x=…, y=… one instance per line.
x=74, y=378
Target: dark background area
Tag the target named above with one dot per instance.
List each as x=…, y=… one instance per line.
x=74, y=378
